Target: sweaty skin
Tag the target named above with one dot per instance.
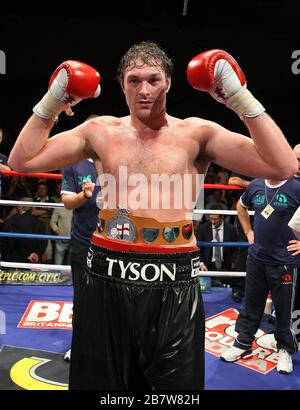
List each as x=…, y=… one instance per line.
x=149, y=141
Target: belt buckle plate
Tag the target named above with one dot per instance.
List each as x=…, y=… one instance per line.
x=120, y=227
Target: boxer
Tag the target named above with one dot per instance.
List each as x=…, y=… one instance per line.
x=139, y=321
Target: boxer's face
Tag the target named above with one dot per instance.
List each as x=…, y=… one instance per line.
x=215, y=220
x=145, y=89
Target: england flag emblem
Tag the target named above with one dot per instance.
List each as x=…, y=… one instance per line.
x=123, y=230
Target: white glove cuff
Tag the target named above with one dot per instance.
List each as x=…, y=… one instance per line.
x=50, y=107
x=244, y=104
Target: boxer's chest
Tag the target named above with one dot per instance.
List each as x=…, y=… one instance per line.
x=160, y=156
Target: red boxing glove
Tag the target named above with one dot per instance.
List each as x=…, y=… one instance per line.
x=217, y=72
x=71, y=82
x=74, y=80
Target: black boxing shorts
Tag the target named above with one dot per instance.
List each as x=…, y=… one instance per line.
x=139, y=322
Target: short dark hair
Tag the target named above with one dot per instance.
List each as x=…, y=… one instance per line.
x=42, y=184
x=149, y=53
x=4, y=134
x=215, y=207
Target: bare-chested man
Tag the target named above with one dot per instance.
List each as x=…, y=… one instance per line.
x=139, y=322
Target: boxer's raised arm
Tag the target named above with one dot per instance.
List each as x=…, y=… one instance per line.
x=216, y=72
x=33, y=151
x=40, y=153
x=256, y=157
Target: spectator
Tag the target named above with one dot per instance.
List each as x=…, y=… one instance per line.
x=57, y=192
x=60, y=224
x=217, y=258
x=223, y=176
x=296, y=150
x=294, y=248
x=20, y=249
x=3, y=161
x=44, y=214
x=3, y=167
x=242, y=252
x=270, y=267
x=79, y=193
x=19, y=187
x=216, y=201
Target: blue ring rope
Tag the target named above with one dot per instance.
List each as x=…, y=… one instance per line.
x=66, y=238
x=222, y=244
x=33, y=236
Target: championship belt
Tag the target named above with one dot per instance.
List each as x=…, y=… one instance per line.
x=120, y=226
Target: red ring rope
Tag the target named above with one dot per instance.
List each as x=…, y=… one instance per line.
x=59, y=176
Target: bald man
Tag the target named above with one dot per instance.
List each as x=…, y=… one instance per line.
x=296, y=150
x=294, y=247
x=295, y=221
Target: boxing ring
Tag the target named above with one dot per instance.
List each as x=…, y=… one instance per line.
x=60, y=205
x=35, y=323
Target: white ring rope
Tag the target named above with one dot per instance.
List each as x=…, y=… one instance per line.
x=218, y=212
x=32, y=204
x=61, y=205
x=35, y=266
x=225, y=274
x=67, y=268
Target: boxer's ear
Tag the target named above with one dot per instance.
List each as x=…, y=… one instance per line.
x=168, y=84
